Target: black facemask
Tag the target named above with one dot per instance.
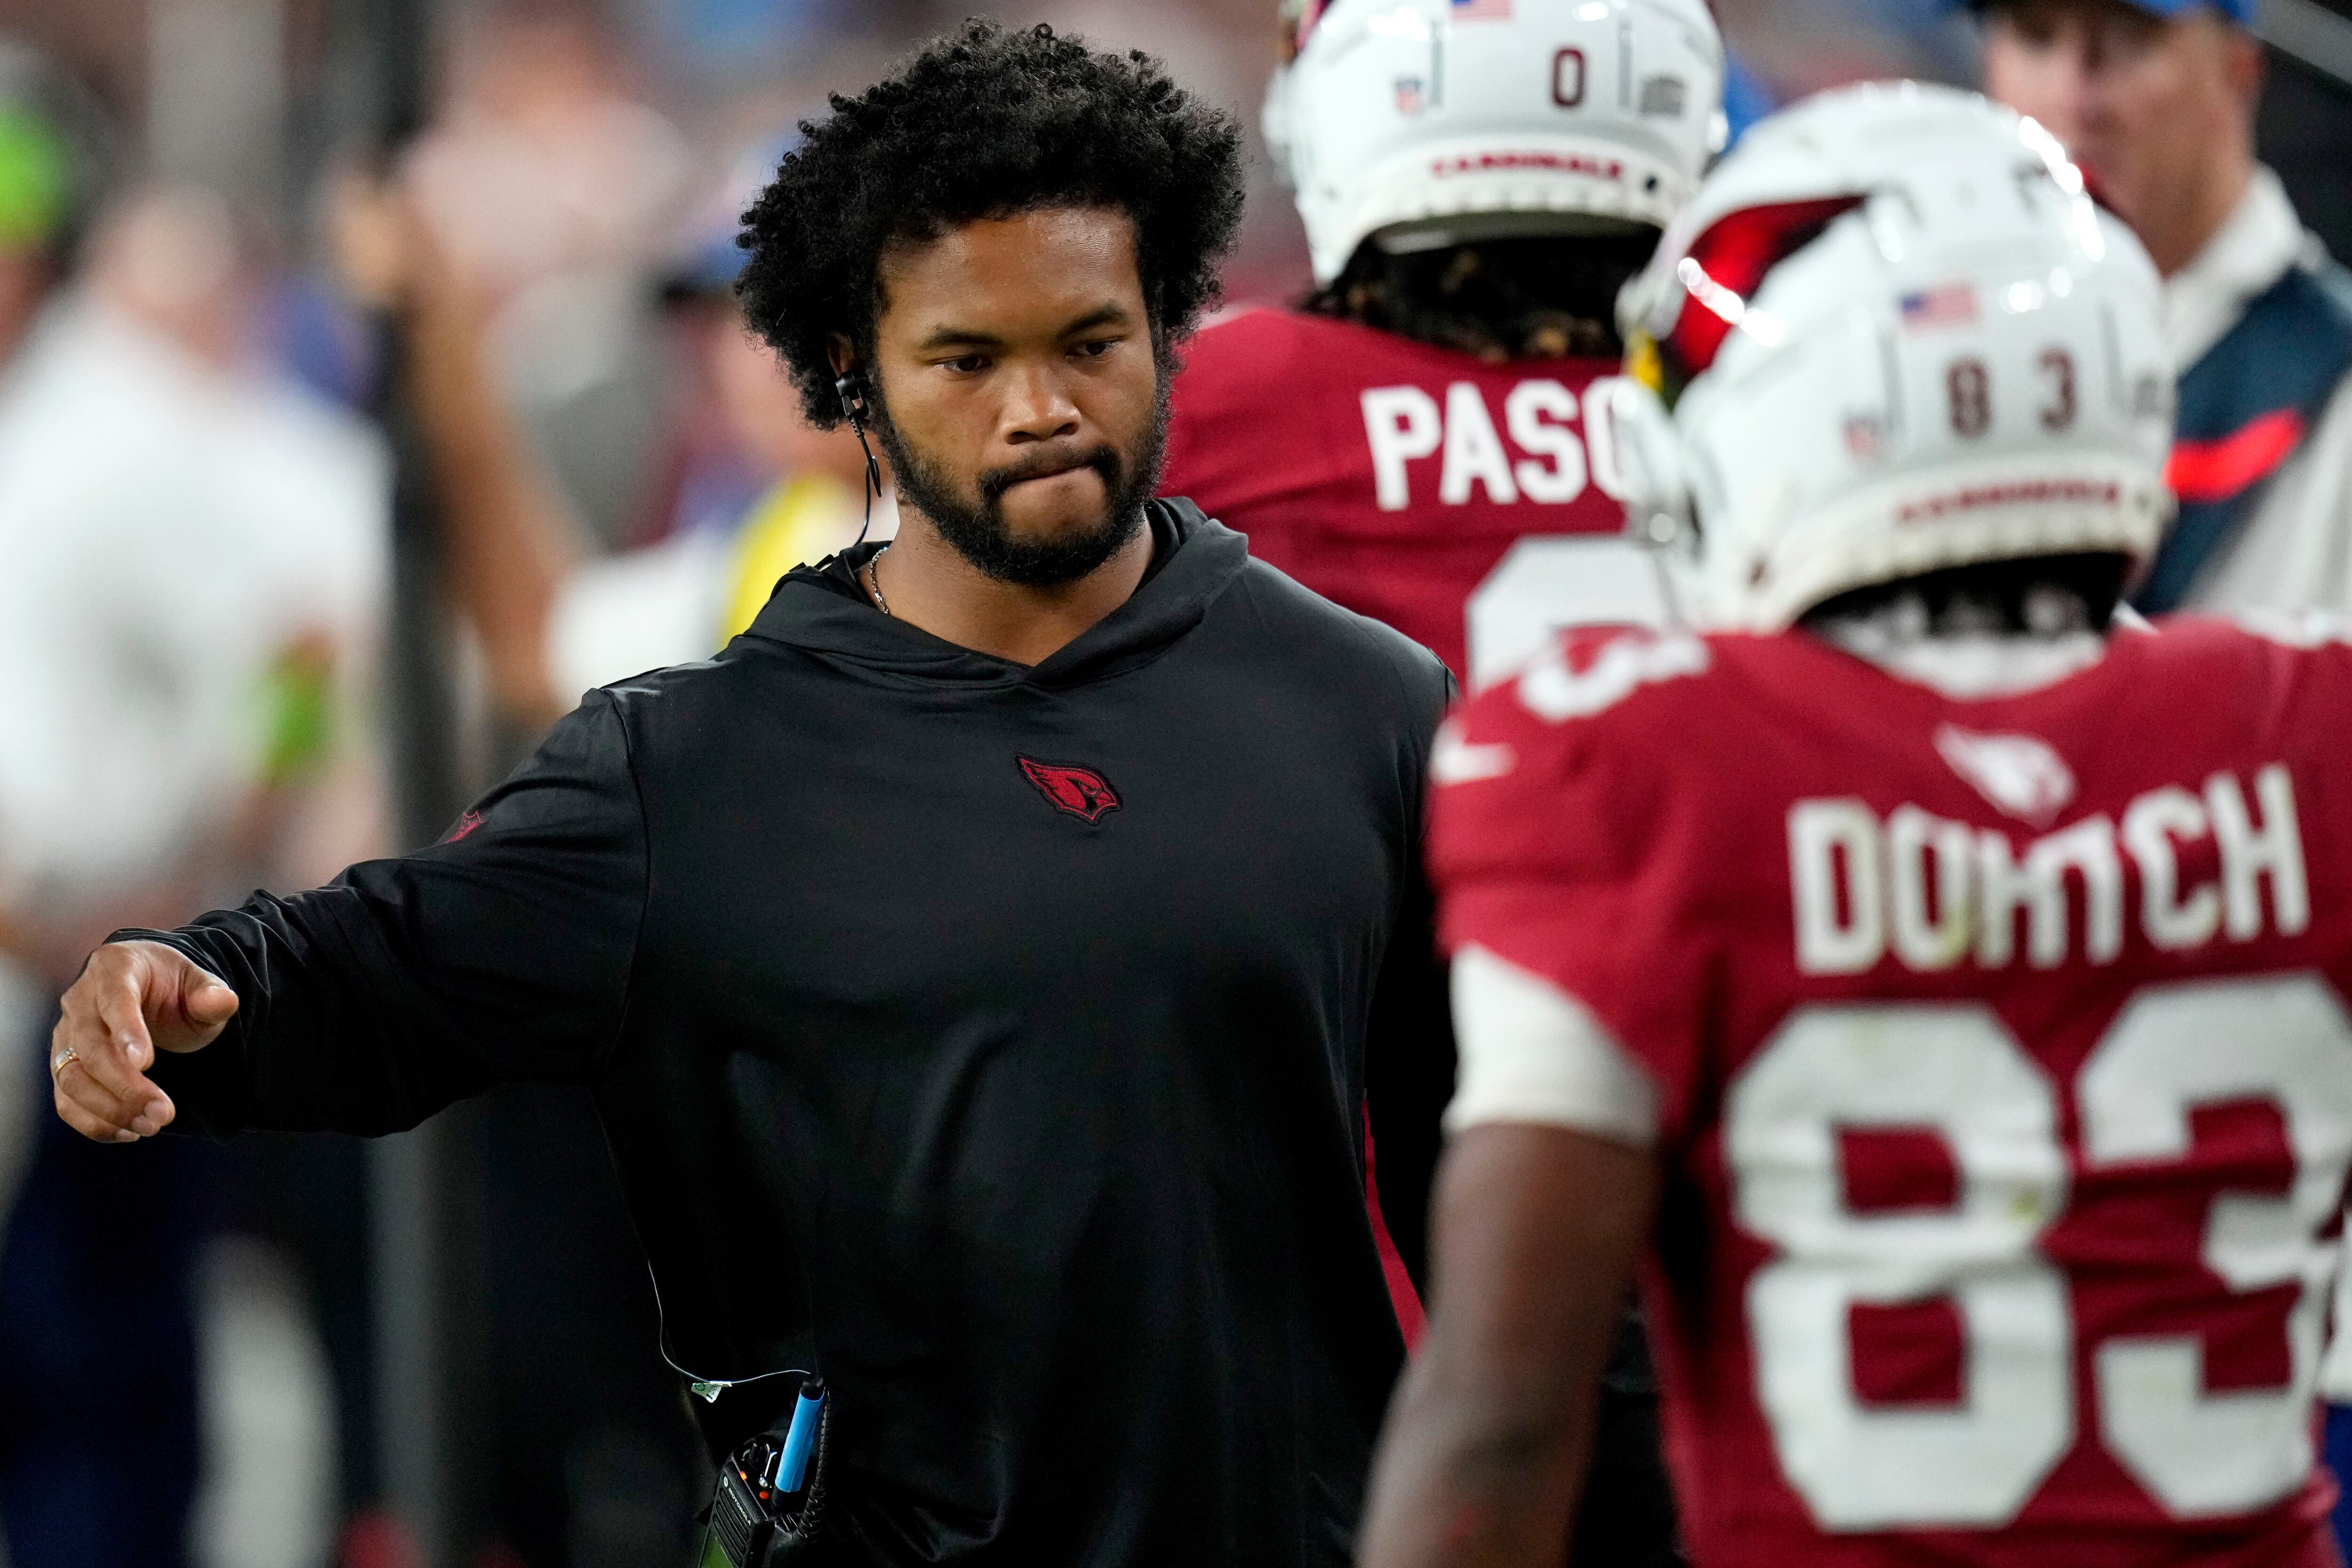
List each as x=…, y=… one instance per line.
x=980, y=533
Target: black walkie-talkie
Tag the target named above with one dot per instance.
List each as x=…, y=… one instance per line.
x=770, y=1504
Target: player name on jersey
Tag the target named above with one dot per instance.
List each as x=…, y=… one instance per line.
x=1474, y=507
x=1934, y=893
x=1405, y=424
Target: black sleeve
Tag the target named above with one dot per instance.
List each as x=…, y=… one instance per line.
x=502, y=953
x=1409, y=1044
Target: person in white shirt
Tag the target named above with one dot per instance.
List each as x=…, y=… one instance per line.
x=191, y=553
x=2156, y=99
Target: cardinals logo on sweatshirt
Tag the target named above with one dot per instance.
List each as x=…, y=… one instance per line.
x=1082, y=792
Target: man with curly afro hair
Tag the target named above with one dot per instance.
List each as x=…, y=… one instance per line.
x=988, y=968
x=988, y=258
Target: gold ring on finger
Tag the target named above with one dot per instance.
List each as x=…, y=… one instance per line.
x=62, y=1060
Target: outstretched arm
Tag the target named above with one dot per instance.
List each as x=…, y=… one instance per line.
x=1537, y=1232
x=502, y=953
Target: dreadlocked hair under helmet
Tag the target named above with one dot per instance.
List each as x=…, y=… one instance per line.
x=1536, y=297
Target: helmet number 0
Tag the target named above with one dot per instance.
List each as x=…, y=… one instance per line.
x=1969, y=387
x=1568, y=78
x=1984, y=1253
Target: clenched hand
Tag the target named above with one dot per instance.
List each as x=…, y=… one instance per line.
x=132, y=999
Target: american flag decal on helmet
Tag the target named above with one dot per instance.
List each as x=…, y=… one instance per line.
x=1947, y=305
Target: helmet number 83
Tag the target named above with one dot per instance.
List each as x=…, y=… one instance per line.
x=1953, y=1070
x=1968, y=391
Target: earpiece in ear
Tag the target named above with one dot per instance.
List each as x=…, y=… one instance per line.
x=851, y=390
x=853, y=398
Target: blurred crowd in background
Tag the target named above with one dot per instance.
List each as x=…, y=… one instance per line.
x=323, y=445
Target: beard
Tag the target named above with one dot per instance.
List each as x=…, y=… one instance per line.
x=979, y=532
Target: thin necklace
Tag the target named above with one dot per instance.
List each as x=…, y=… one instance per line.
x=873, y=580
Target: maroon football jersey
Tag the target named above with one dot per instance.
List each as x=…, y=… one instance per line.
x=2002, y=1068
x=1396, y=478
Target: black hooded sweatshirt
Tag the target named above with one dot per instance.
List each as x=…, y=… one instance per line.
x=996, y=1040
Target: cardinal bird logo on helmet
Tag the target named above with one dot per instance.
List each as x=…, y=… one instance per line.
x=1081, y=792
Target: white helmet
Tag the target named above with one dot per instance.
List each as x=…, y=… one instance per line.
x=1899, y=337
x=1428, y=122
